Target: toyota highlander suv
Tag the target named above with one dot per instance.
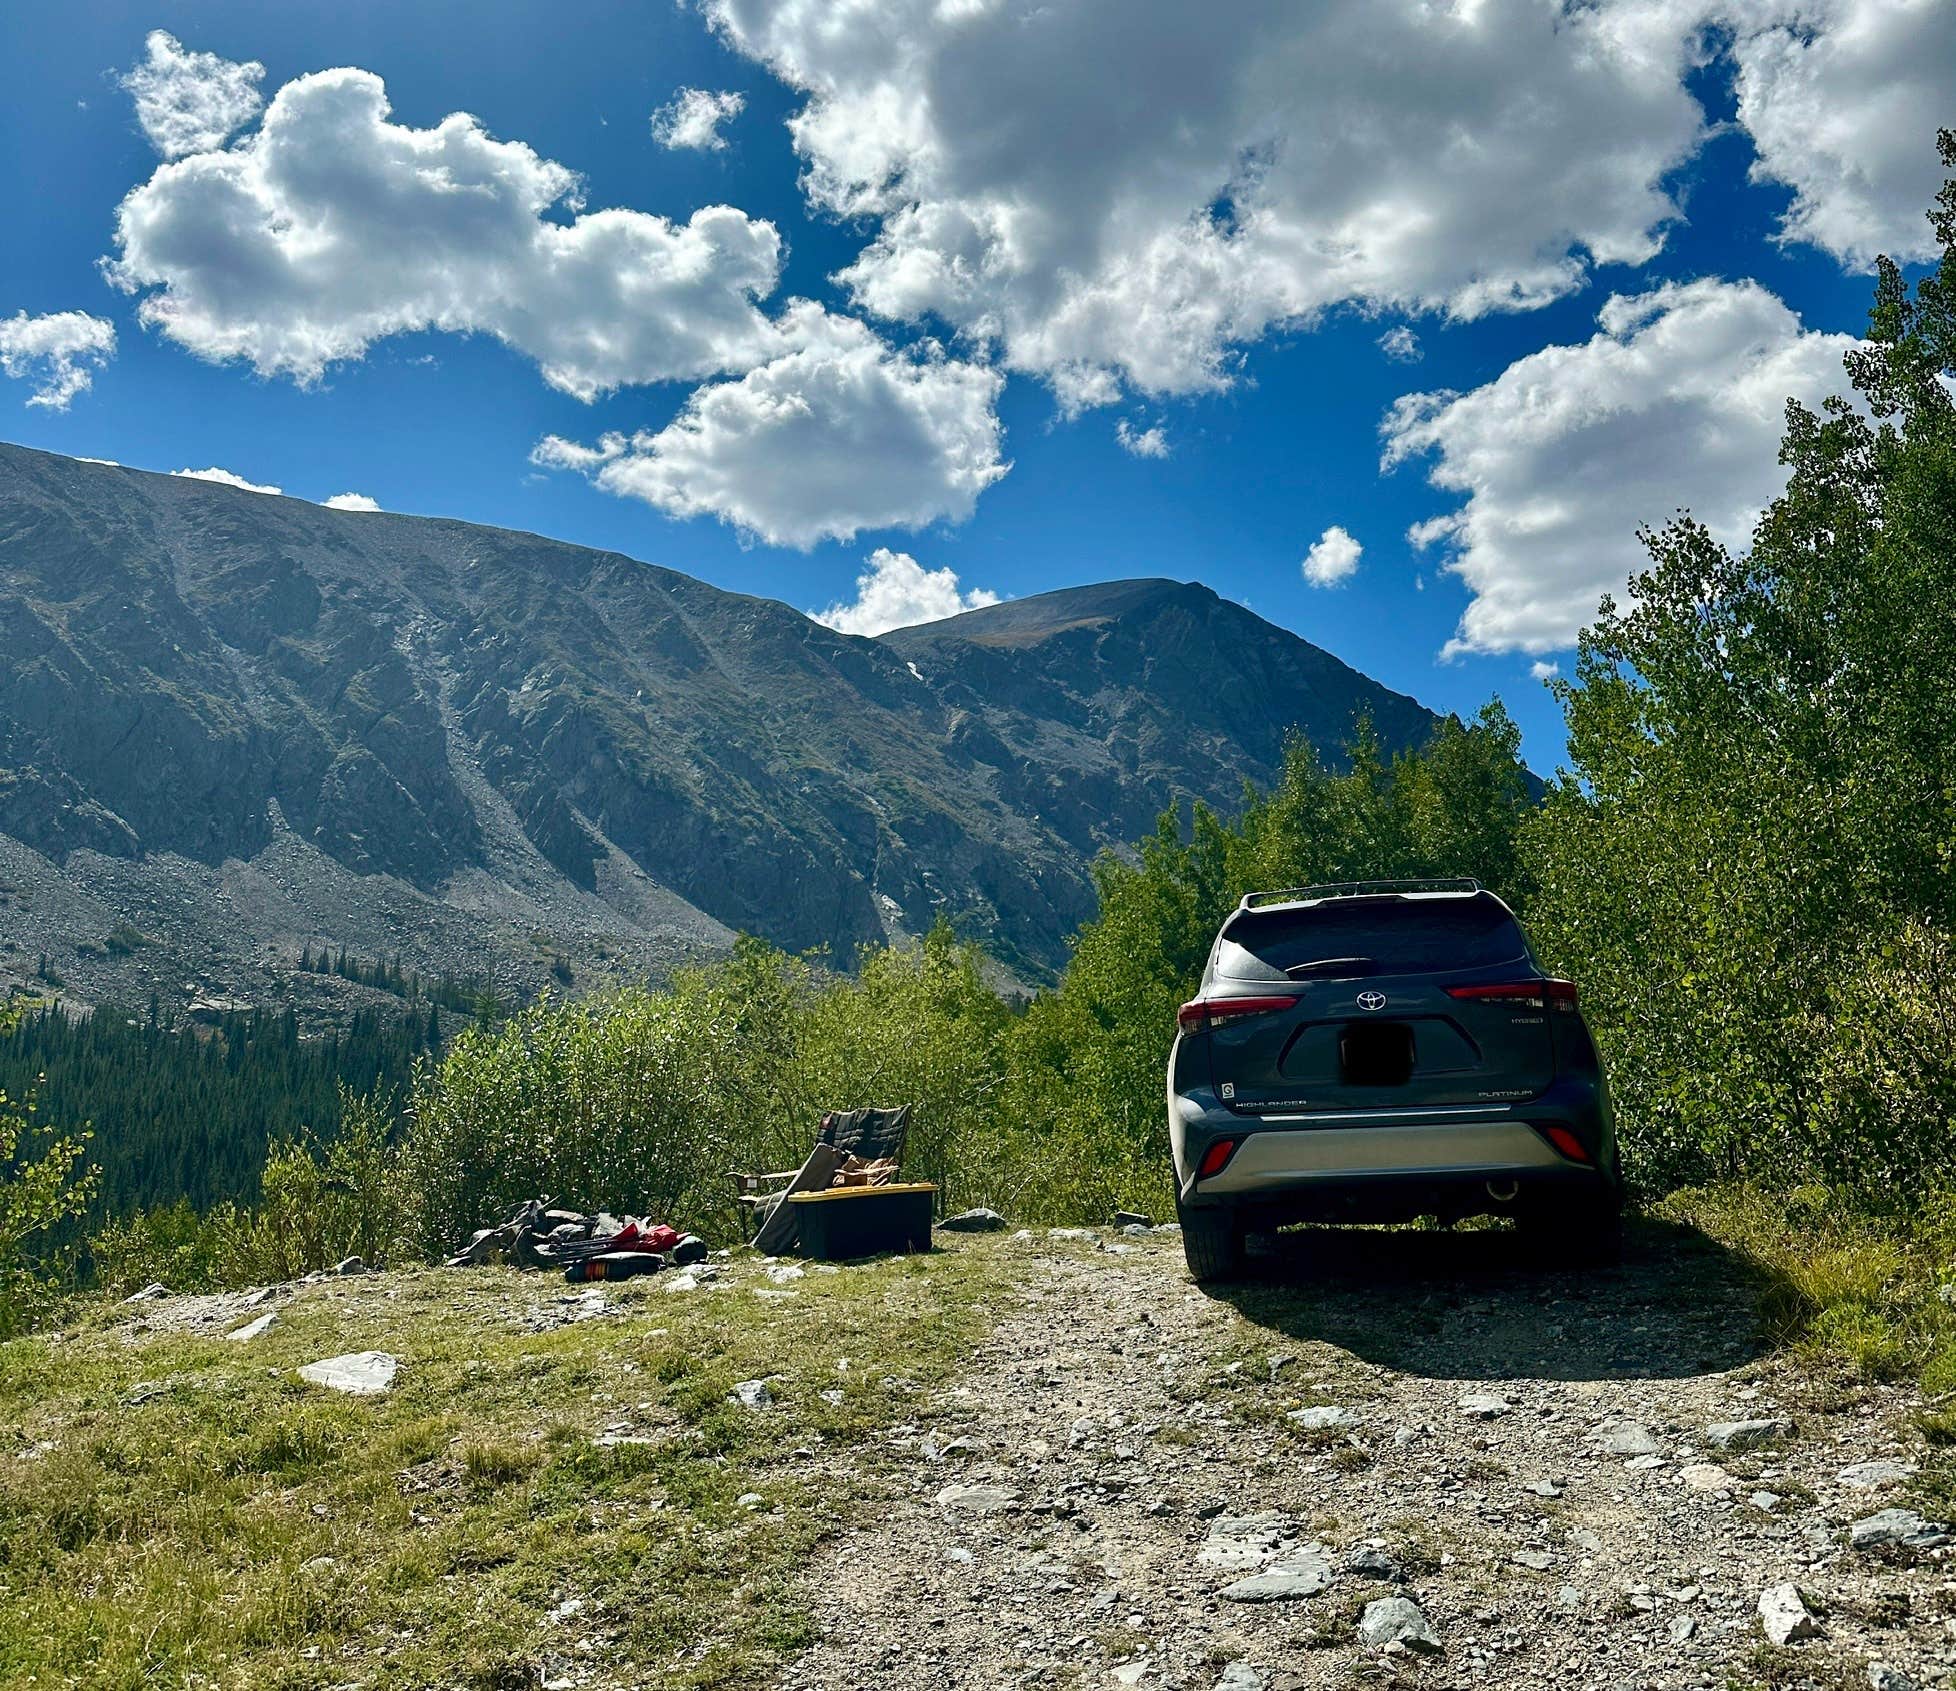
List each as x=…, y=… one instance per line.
x=1380, y=1051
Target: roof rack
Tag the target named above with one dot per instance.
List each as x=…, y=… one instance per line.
x=1359, y=889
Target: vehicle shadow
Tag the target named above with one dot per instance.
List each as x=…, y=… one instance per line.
x=1481, y=1305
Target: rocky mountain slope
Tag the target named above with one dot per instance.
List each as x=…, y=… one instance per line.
x=232, y=725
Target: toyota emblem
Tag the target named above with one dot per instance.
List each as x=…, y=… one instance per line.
x=1371, y=1000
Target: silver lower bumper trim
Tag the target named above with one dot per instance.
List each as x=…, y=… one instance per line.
x=1280, y=1160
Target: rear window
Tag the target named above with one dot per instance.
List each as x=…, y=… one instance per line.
x=1349, y=938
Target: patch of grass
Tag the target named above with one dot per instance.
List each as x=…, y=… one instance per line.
x=1868, y=1293
x=178, y=1510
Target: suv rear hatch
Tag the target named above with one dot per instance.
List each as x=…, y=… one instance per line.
x=1356, y=1014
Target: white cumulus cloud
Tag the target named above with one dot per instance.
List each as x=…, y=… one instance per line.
x=896, y=591
x=331, y=226
x=57, y=352
x=227, y=478
x=1678, y=401
x=837, y=434
x=351, y=502
x=1123, y=193
x=1142, y=443
x=1333, y=558
x=1401, y=345
x=1842, y=99
x=693, y=118
x=191, y=102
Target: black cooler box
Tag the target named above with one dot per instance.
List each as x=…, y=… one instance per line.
x=861, y=1221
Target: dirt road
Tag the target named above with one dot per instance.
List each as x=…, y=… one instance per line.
x=1136, y=1482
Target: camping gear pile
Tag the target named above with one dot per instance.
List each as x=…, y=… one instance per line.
x=587, y=1247
x=857, y=1157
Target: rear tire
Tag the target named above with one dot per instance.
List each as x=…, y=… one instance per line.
x=1212, y=1241
x=1585, y=1229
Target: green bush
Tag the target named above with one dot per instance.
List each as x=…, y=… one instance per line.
x=43, y=1183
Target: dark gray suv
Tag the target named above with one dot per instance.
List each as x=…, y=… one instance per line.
x=1379, y=1051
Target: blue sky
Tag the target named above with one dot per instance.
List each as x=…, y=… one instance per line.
x=1287, y=232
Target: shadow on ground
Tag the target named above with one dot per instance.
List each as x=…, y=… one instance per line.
x=1481, y=1305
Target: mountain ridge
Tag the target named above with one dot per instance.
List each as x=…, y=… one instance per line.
x=453, y=742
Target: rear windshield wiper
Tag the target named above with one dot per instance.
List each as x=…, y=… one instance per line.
x=1320, y=964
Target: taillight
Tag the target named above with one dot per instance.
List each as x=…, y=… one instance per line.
x=1565, y=1142
x=1535, y=994
x=1215, y=1012
x=1216, y=1158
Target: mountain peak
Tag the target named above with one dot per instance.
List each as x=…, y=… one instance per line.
x=1025, y=622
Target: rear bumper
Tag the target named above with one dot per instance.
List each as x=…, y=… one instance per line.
x=1413, y=1162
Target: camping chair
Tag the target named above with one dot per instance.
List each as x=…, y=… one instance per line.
x=867, y=1135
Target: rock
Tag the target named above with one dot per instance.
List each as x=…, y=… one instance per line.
x=974, y=1221
x=1544, y=1488
x=362, y=1373
x=1746, y=1435
x=1133, y=1218
x=1874, y=1476
x=787, y=1273
x=1766, y=1501
x=1539, y=1560
x=1240, y=1676
x=1397, y=1620
x=1242, y=1542
x=1369, y=1562
x=1131, y=1673
x=1298, y=1573
x=1679, y=1628
x=1321, y=1417
x=1901, y=1529
x=1080, y=1233
x=1483, y=1406
x=749, y=1500
x=1783, y=1612
x=752, y=1394
x=1706, y=1476
x=977, y=1499
x=1627, y=1438
x=1644, y=1464
x=1881, y=1677
x=251, y=1329
x=149, y=1294
x=350, y=1265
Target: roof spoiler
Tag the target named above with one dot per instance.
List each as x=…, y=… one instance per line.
x=1359, y=889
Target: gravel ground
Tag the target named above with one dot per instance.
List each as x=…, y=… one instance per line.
x=1524, y=1458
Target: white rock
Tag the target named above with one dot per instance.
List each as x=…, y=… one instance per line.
x=363, y=1373
x=1746, y=1435
x=1298, y=1573
x=1397, y=1620
x=251, y=1329
x=1874, y=1476
x=1238, y=1543
x=788, y=1271
x=1680, y=1627
x=1706, y=1476
x=1240, y=1676
x=1881, y=1677
x=977, y=1499
x=1783, y=1612
x=1320, y=1417
x=1896, y=1527
x=1627, y=1438
x=1539, y=1560
x=1482, y=1406
x=752, y=1394
x=1131, y=1673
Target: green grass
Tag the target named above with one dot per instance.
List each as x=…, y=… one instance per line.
x=181, y=1510
x=1872, y=1296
